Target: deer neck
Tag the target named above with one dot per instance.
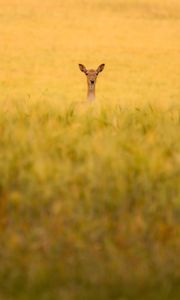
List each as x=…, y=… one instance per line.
x=91, y=92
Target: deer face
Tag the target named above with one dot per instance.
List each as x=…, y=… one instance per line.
x=91, y=77
x=91, y=74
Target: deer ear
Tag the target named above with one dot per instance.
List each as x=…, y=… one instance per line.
x=100, y=68
x=82, y=68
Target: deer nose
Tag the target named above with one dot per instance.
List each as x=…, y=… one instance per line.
x=92, y=81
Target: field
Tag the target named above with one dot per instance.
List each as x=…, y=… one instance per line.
x=90, y=193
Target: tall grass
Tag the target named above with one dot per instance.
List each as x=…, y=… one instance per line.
x=89, y=202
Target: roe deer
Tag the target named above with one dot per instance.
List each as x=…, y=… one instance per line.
x=91, y=79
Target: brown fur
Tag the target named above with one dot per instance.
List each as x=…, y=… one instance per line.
x=91, y=79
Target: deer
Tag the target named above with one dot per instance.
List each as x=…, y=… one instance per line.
x=91, y=79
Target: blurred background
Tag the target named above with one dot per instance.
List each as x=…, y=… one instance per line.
x=138, y=40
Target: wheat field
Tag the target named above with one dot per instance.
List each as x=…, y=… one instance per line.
x=90, y=193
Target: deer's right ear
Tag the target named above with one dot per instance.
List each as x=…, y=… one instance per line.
x=100, y=68
x=82, y=68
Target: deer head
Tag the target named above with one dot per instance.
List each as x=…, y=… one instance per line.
x=91, y=79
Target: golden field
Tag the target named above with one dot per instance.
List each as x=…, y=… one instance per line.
x=90, y=193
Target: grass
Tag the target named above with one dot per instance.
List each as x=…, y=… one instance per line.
x=89, y=194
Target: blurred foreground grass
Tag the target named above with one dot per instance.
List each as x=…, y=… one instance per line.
x=89, y=202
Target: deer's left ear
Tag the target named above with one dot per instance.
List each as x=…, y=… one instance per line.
x=100, y=68
x=82, y=68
